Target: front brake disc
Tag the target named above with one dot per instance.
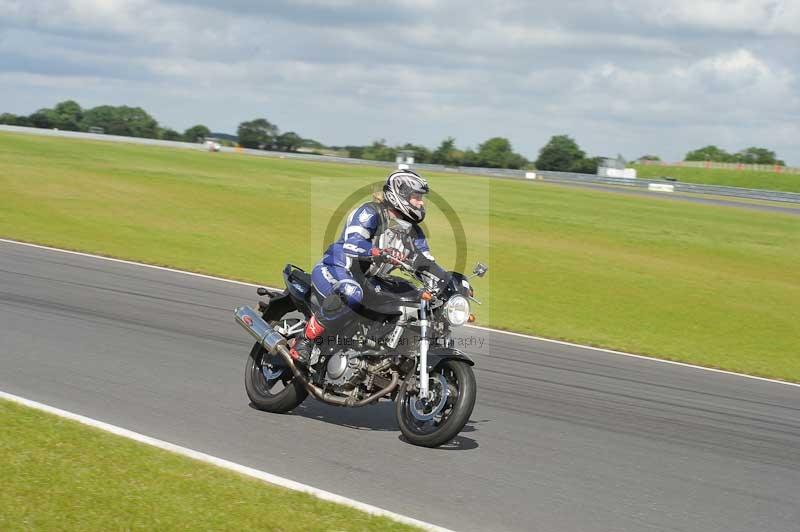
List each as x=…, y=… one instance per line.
x=424, y=410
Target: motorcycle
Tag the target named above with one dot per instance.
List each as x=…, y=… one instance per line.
x=401, y=349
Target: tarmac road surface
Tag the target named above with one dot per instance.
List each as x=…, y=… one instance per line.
x=562, y=438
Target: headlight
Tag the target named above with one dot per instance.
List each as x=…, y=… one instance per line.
x=456, y=310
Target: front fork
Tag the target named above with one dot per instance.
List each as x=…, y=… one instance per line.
x=424, y=343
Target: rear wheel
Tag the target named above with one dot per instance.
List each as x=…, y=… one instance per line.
x=270, y=385
x=436, y=421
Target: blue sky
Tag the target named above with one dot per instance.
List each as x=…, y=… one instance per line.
x=620, y=76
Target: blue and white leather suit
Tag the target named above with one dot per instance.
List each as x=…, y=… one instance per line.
x=369, y=226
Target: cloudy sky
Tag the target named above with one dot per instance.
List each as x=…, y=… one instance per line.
x=620, y=76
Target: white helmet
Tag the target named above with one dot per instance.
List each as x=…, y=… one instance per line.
x=397, y=191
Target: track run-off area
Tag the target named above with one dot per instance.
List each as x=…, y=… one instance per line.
x=562, y=437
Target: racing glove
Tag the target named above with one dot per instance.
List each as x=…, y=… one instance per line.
x=394, y=255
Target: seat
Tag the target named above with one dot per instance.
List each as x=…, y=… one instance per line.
x=301, y=277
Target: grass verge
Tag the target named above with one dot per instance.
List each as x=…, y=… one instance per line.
x=707, y=285
x=717, y=176
x=61, y=475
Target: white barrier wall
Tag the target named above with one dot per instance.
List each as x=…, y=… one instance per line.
x=627, y=173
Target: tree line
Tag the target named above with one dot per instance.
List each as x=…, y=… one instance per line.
x=261, y=134
x=561, y=153
x=496, y=152
x=113, y=120
x=751, y=155
x=136, y=122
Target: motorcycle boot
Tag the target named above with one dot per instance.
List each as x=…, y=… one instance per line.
x=304, y=344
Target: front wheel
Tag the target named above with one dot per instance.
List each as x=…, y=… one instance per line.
x=439, y=419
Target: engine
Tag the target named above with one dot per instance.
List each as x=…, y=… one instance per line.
x=345, y=368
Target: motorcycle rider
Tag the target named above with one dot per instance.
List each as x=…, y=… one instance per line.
x=376, y=235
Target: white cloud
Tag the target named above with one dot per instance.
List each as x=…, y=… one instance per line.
x=752, y=16
x=737, y=82
x=740, y=70
x=638, y=73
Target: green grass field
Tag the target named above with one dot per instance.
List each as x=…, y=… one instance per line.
x=730, y=178
x=715, y=286
x=60, y=475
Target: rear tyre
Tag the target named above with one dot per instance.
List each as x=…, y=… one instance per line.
x=270, y=385
x=437, y=421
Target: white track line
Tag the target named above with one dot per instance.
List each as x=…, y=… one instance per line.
x=143, y=265
x=643, y=357
x=219, y=462
x=496, y=331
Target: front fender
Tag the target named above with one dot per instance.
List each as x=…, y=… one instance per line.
x=437, y=355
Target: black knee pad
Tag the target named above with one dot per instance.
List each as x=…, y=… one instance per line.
x=333, y=304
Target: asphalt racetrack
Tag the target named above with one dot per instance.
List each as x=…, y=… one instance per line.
x=562, y=438
x=720, y=201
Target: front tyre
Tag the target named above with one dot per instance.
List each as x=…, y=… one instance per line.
x=438, y=420
x=271, y=386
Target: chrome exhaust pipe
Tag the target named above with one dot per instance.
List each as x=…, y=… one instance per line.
x=259, y=329
x=275, y=343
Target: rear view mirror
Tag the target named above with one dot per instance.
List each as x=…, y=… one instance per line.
x=480, y=269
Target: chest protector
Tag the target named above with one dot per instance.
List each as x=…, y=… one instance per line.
x=391, y=233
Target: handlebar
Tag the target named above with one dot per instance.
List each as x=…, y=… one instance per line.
x=384, y=256
x=396, y=262
x=407, y=267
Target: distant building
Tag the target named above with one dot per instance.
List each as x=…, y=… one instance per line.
x=212, y=143
x=615, y=168
x=405, y=157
